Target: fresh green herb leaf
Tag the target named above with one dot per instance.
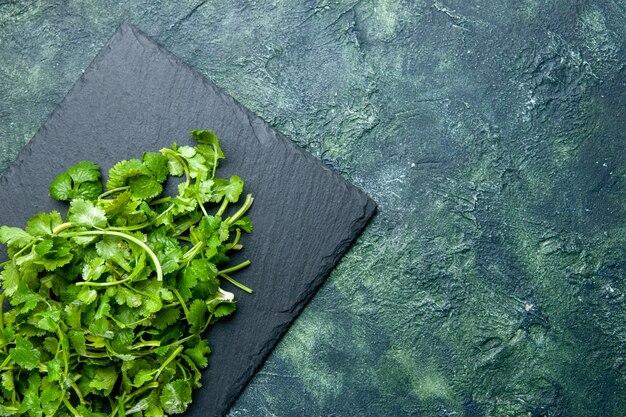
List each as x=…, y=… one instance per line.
x=14, y=236
x=24, y=354
x=83, y=213
x=42, y=224
x=229, y=189
x=79, y=181
x=176, y=396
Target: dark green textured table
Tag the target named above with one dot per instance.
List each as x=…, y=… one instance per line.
x=492, y=136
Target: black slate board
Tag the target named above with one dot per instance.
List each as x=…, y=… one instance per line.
x=136, y=96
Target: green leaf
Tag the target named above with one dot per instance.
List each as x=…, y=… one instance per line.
x=94, y=268
x=176, y=396
x=10, y=278
x=103, y=309
x=116, y=249
x=203, y=190
x=30, y=401
x=199, y=270
x=61, y=188
x=144, y=187
x=79, y=181
x=24, y=354
x=50, y=397
x=100, y=327
x=128, y=297
x=122, y=171
x=229, y=189
x=123, y=340
x=197, y=315
x=85, y=171
x=142, y=377
x=157, y=165
x=25, y=298
x=220, y=307
x=208, y=138
x=42, y=223
x=174, y=166
x=202, y=270
x=151, y=302
x=185, y=284
x=104, y=379
x=54, y=369
x=166, y=248
x=87, y=295
x=72, y=315
x=88, y=191
x=212, y=230
x=47, y=319
x=7, y=381
x=83, y=213
x=14, y=236
x=53, y=252
x=50, y=344
x=225, y=309
x=196, y=162
x=117, y=205
x=78, y=342
x=244, y=224
x=166, y=318
x=199, y=353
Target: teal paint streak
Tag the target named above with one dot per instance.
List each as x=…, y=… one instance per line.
x=491, y=281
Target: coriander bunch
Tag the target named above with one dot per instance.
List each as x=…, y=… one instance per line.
x=109, y=305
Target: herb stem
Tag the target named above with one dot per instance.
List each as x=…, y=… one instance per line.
x=202, y=208
x=113, y=191
x=214, y=160
x=191, y=253
x=77, y=391
x=129, y=228
x=206, y=325
x=104, y=284
x=182, y=303
x=133, y=239
x=168, y=360
x=236, y=240
x=165, y=211
x=160, y=201
x=180, y=160
x=236, y=283
x=235, y=268
x=150, y=343
x=246, y=205
x=142, y=390
x=145, y=294
x=61, y=227
x=72, y=409
x=222, y=208
x=89, y=354
x=1, y=311
x=31, y=243
x=5, y=362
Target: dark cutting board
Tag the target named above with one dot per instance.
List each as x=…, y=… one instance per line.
x=135, y=96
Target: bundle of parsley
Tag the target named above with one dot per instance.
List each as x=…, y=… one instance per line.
x=109, y=307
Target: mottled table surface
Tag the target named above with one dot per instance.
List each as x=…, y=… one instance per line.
x=491, y=133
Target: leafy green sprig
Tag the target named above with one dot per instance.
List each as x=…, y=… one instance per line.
x=109, y=305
